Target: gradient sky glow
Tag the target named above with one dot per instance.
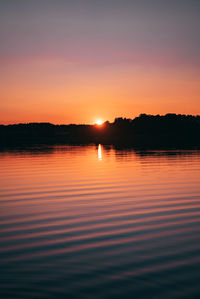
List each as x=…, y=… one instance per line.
x=75, y=61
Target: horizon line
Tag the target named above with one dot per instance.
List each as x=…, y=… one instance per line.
x=94, y=124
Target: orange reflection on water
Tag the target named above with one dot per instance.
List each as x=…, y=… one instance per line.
x=135, y=212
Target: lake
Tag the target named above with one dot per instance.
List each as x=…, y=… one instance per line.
x=99, y=222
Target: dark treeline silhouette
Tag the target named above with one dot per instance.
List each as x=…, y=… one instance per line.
x=170, y=130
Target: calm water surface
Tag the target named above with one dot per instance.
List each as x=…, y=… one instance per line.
x=95, y=222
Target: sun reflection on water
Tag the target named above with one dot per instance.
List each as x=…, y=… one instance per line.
x=99, y=152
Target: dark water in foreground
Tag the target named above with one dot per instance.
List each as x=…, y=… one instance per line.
x=91, y=222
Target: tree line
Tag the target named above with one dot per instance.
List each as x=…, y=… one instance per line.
x=170, y=130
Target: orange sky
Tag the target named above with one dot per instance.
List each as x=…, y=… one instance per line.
x=42, y=90
x=74, y=64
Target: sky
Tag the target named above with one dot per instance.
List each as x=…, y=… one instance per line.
x=75, y=61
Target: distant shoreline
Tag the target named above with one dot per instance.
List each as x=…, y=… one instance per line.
x=145, y=131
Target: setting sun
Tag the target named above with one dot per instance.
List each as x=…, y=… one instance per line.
x=99, y=122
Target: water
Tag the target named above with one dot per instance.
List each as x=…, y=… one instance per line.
x=95, y=222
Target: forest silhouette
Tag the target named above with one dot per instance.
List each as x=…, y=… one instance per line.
x=146, y=131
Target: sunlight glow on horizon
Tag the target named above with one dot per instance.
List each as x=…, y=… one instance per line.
x=98, y=122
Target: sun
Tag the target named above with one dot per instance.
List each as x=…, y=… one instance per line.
x=98, y=122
